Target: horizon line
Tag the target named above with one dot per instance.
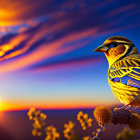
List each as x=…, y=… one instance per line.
x=57, y=108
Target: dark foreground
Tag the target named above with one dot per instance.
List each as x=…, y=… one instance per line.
x=16, y=126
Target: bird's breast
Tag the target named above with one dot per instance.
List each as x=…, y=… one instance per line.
x=124, y=93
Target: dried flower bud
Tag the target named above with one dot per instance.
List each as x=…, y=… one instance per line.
x=103, y=115
x=135, y=121
x=121, y=116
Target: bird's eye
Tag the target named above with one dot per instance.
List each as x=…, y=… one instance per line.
x=115, y=44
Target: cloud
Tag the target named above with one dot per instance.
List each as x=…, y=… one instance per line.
x=67, y=64
x=14, y=12
x=39, y=30
x=42, y=51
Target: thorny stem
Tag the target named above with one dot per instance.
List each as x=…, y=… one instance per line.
x=97, y=134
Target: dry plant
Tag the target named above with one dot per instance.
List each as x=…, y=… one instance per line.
x=103, y=116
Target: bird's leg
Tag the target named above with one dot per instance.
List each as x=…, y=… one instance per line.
x=134, y=109
x=128, y=107
x=96, y=137
x=123, y=107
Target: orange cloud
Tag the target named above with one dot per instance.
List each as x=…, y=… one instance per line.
x=42, y=52
x=2, y=29
x=12, y=12
x=11, y=45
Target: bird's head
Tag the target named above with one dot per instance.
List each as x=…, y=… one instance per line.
x=116, y=48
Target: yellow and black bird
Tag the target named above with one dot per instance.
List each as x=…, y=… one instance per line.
x=124, y=69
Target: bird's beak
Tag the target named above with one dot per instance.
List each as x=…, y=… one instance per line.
x=101, y=48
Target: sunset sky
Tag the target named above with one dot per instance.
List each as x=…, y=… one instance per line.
x=46, y=50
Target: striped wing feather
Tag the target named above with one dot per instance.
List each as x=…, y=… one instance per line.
x=126, y=71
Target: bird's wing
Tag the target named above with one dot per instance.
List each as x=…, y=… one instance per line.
x=126, y=71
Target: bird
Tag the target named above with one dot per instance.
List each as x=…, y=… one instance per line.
x=124, y=69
